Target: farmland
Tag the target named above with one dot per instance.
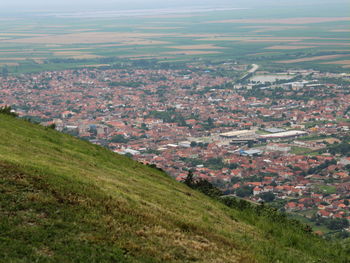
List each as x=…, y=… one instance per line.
x=245, y=35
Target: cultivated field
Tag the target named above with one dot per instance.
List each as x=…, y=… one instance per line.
x=267, y=37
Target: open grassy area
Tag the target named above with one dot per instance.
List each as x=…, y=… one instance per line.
x=300, y=150
x=66, y=200
x=326, y=189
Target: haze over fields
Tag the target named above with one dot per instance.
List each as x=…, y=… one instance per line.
x=83, y=5
x=39, y=35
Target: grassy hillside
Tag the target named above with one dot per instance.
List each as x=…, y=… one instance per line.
x=65, y=200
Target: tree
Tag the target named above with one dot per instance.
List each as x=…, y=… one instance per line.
x=7, y=110
x=267, y=196
x=337, y=224
x=250, y=144
x=274, y=184
x=189, y=180
x=144, y=126
x=235, y=180
x=232, y=165
x=244, y=191
x=119, y=139
x=210, y=122
x=5, y=71
x=52, y=126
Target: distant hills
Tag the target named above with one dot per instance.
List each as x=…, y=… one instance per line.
x=66, y=200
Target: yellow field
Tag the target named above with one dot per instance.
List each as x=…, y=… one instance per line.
x=75, y=54
x=159, y=27
x=91, y=38
x=344, y=63
x=191, y=52
x=264, y=53
x=287, y=21
x=23, y=35
x=97, y=65
x=310, y=59
x=261, y=29
x=339, y=62
x=8, y=64
x=14, y=59
x=324, y=44
x=339, y=30
x=204, y=46
x=289, y=47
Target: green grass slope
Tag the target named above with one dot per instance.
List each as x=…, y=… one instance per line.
x=65, y=200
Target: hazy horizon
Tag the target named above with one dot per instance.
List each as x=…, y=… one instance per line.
x=98, y=5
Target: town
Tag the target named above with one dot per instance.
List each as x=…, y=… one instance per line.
x=277, y=137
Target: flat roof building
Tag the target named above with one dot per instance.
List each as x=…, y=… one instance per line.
x=237, y=134
x=286, y=134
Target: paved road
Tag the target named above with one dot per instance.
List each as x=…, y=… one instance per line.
x=254, y=68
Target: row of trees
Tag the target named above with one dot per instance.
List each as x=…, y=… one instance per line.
x=7, y=110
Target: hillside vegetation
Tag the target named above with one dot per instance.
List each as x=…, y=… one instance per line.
x=65, y=200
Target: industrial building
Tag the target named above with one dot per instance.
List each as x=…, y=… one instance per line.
x=237, y=134
x=283, y=135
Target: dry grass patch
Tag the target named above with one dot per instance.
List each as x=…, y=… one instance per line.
x=75, y=54
x=71, y=49
x=144, y=42
x=137, y=56
x=191, y=52
x=96, y=65
x=310, y=59
x=159, y=27
x=289, y=47
x=257, y=39
x=170, y=16
x=188, y=247
x=23, y=35
x=39, y=61
x=8, y=64
x=264, y=53
x=261, y=29
x=144, y=56
x=339, y=30
x=91, y=38
x=338, y=62
x=15, y=59
x=204, y=46
x=290, y=21
x=324, y=43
